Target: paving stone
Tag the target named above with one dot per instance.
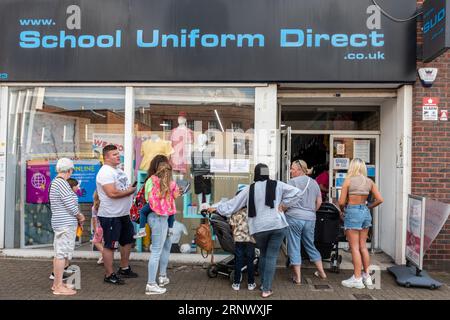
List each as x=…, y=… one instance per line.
x=192, y=283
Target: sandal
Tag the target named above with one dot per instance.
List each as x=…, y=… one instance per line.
x=317, y=274
x=64, y=291
x=266, y=294
x=68, y=286
x=296, y=282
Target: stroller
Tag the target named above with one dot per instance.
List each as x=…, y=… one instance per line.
x=328, y=233
x=223, y=232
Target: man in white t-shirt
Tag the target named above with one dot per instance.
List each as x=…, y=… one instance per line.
x=116, y=196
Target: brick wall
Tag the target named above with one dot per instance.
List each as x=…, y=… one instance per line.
x=431, y=153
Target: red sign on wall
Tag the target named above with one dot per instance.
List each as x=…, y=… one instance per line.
x=430, y=108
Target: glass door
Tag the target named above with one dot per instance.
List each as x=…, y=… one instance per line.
x=343, y=149
x=286, y=137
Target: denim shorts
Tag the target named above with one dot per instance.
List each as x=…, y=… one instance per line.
x=357, y=217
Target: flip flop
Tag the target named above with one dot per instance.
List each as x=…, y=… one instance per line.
x=317, y=274
x=68, y=286
x=266, y=294
x=64, y=293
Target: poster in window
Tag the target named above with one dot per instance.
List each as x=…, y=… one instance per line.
x=100, y=140
x=415, y=230
x=220, y=165
x=341, y=163
x=85, y=172
x=361, y=150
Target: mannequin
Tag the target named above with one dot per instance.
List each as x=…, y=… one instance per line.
x=152, y=147
x=201, y=170
x=181, y=138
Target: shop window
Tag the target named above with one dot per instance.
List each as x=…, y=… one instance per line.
x=72, y=122
x=46, y=135
x=191, y=124
x=331, y=117
x=69, y=133
x=197, y=137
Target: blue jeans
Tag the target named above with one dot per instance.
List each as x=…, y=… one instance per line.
x=160, y=248
x=144, y=212
x=243, y=249
x=269, y=244
x=301, y=231
x=357, y=217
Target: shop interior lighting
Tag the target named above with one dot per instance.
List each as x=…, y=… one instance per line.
x=218, y=119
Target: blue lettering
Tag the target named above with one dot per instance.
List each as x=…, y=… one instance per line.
x=321, y=37
x=339, y=40
x=374, y=35
x=30, y=39
x=47, y=44
x=430, y=24
x=354, y=43
x=213, y=43
x=250, y=38
x=225, y=37
x=90, y=41
x=63, y=38
x=142, y=44
x=297, y=38
x=109, y=41
x=292, y=32
x=166, y=37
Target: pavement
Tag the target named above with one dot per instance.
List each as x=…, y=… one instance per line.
x=27, y=278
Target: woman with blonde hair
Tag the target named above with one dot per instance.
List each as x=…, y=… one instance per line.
x=357, y=219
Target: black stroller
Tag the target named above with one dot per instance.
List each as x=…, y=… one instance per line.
x=328, y=233
x=224, y=234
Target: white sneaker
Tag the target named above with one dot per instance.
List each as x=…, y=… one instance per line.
x=163, y=280
x=251, y=286
x=367, y=280
x=141, y=233
x=236, y=286
x=154, y=289
x=100, y=260
x=352, y=282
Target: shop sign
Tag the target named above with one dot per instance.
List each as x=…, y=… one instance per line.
x=415, y=230
x=430, y=109
x=206, y=40
x=39, y=175
x=341, y=163
x=436, y=28
x=443, y=115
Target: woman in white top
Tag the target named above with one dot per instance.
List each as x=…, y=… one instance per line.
x=267, y=224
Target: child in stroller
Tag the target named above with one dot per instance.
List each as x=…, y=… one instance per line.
x=237, y=242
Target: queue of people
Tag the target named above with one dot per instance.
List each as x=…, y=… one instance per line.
x=262, y=215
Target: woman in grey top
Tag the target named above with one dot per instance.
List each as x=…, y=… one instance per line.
x=266, y=223
x=302, y=221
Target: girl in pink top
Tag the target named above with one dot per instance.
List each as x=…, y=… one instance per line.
x=161, y=191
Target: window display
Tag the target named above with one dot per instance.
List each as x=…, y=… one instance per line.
x=207, y=134
x=48, y=123
x=210, y=125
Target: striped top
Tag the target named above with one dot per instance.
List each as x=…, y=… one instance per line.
x=63, y=204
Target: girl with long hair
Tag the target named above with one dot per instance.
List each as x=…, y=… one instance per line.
x=357, y=219
x=161, y=192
